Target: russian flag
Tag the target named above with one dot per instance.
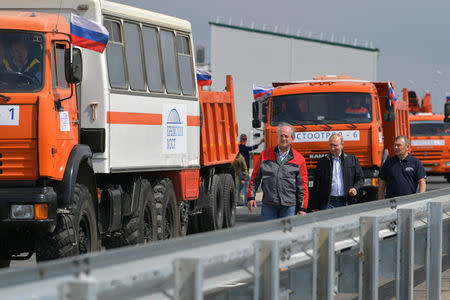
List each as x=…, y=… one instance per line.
x=203, y=78
x=391, y=93
x=88, y=34
x=261, y=92
x=447, y=97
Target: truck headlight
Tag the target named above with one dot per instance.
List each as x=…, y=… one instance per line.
x=371, y=182
x=447, y=163
x=22, y=211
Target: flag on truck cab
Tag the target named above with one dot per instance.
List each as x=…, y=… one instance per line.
x=261, y=92
x=391, y=93
x=88, y=34
x=203, y=78
x=447, y=97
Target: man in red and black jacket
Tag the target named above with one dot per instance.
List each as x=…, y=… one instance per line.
x=282, y=172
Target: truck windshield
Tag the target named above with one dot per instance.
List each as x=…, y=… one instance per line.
x=20, y=61
x=320, y=108
x=429, y=128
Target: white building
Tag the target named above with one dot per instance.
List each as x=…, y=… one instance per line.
x=262, y=57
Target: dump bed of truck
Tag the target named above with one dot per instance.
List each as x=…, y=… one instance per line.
x=218, y=126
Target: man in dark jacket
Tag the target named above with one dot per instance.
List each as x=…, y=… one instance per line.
x=338, y=177
x=282, y=172
x=401, y=173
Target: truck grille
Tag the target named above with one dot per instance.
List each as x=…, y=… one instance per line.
x=428, y=157
x=311, y=157
x=18, y=160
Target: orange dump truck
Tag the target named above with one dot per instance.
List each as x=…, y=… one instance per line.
x=105, y=148
x=359, y=110
x=430, y=142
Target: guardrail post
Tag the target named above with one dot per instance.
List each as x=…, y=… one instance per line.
x=188, y=279
x=368, y=265
x=323, y=263
x=267, y=272
x=81, y=289
x=405, y=254
x=434, y=250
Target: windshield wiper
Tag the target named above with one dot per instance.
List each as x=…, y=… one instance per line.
x=324, y=123
x=6, y=98
x=296, y=123
x=346, y=122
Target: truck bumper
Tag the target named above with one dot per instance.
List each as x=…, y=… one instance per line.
x=27, y=196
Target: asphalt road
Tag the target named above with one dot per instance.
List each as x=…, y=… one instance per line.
x=243, y=215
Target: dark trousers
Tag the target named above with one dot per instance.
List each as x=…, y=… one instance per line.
x=337, y=202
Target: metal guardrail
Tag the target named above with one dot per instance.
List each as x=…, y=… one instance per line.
x=344, y=250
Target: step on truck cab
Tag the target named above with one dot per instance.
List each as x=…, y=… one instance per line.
x=113, y=148
x=359, y=110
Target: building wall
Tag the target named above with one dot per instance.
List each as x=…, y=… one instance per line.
x=257, y=57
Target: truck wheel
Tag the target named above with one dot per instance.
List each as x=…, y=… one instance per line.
x=168, y=214
x=371, y=195
x=229, y=200
x=4, y=263
x=447, y=177
x=212, y=216
x=194, y=224
x=75, y=233
x=184, y=218
x=140, y=228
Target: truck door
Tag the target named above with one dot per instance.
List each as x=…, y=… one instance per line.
x=66, y=113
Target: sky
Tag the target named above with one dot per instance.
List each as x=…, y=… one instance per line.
x=413, y=36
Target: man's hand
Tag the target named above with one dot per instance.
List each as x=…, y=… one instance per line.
x=242, y=181
x=251, y=204
x=300, y=212
x=352, y=192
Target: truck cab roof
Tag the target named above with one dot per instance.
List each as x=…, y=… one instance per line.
x=323, y=86
x=426, y=117
x=33, y=21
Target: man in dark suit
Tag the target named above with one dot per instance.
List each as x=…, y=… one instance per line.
x=338, y=177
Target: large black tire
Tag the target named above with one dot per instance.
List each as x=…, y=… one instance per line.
x=447, y=177
x=4, y=263
x=194, y=224
x=212, y=215
x=371, y=195
x=75, y=233
x=229, y=200
x=168, y=213
x=140, y=228
x=184, y=218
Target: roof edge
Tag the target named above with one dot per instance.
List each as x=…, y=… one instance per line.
x=295, y=37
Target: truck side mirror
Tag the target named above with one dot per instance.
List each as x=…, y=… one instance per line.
x=256, y=123
x=255, y=110
x=265, y=107
x=447, y=112
x=389, y=115
x=74, y=70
